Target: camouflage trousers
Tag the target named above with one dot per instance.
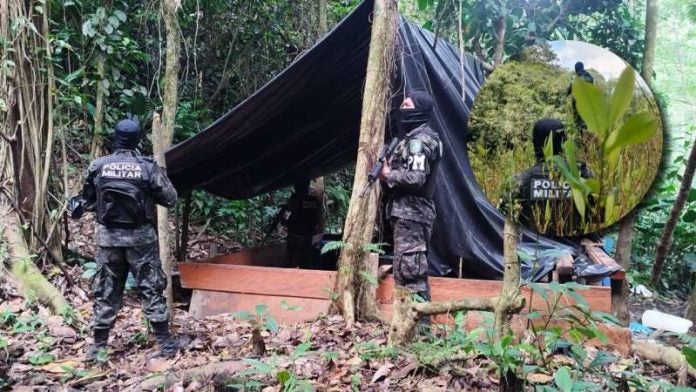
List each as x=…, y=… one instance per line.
x=411, y=240
x=113, y=264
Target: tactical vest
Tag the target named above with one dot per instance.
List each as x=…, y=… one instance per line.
x=123, y=195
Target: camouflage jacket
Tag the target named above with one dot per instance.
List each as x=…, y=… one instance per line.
x=160, y=191
x=412, y=178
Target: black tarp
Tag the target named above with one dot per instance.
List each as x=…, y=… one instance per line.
x=305, y=123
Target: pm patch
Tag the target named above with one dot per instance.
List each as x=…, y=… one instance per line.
x=416, y=162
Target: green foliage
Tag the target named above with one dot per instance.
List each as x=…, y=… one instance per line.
x=615, y=131
x=259, y=319
x=287, y=379
x=611, y=24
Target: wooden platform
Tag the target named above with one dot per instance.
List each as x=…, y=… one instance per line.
x=295, y=295
x=240, y=281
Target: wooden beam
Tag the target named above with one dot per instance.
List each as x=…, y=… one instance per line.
x=564, y=268
x=599, y=256
x=298, y=283
x=284, y=282
x=266, y=256
x=284, y=310
x=445, y=289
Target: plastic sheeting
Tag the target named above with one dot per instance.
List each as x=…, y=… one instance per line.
x=305, y=123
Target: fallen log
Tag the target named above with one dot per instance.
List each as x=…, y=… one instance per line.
x=222, y=369
x=668, y=356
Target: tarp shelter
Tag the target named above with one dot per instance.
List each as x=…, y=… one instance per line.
x=305, y=123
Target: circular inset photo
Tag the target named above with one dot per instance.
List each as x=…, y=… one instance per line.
x=565, y=138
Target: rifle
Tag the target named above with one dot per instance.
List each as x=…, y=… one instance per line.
x=276, y=219
x=385, y=154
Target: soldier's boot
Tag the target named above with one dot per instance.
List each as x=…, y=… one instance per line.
x=169, y=345
x=98, y=350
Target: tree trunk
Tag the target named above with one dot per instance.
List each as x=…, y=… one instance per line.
x=510, y=300
x=95, y=150
x=650, y=35
x=158, y=144
x=26, y=123
x=619, y=288
x=321, y=19
x=500, y=31
x=185, y=219
x=665, y=242
x=23, y=272
x=164, y=131
x=352, y=289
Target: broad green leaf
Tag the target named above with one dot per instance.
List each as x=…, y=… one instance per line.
x=579, y=202
x=261, y=309
x=271, y=325
x=593, y=184
x=689, y=216
x=283, y=377
x=623, y=94
x=563, y=380
x=244, y=315
x=609, y=204
x=569, y=148
x=690, y=355
x=637, y=129
x=120, y=15
x=302, y=348
x=592, y=106
x=692, y=196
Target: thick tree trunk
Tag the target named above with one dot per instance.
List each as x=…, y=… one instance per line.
x=26, y=124
x=500, y=32
x=23, y=272
x=352, y=289
x=650, y=35
x=164, y=132
x=665, y=242
x=619, y=288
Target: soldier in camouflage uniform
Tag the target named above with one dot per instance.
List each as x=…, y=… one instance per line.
x=122, y=189
x=410, y=177
x=544, y=197
x=304, y=221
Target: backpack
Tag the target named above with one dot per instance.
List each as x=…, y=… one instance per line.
x=122, y=199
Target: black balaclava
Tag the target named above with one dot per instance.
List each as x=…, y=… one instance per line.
x=542, y=130
x=579, y=68
x=126, y=135
x=411, y=119
x=302, y=187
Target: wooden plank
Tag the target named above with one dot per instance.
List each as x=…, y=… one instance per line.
x=292, y=282
x=283, y=282
x=564, y=268
x=444, y=289
x=266, y=256
x=599, y=256
x=285, y=310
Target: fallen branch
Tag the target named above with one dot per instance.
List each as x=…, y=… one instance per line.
x=212, y=370
x=668, y=356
